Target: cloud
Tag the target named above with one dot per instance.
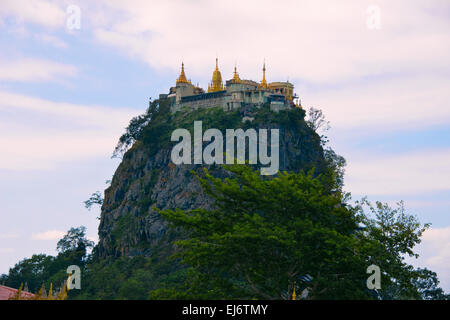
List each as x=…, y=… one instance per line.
x=93, y=238
x=8, y=236
x=307, y=41
x=99, y=116
x=396, y=77
x=41, y=12
x=408, y=173
x=38, y=134
x=439, y=240
x=312, y=41
x=6, y=250
x=35, y=70
x=48, y=235
x=385, y=104
x=434, y=251
x=50, y=39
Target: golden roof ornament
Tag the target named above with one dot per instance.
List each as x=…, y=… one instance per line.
x=287, y=90
x=216, y=83
x=288, y=93
x=236, y=78
x=294, y=295
x=263, y=81
x=182, y=78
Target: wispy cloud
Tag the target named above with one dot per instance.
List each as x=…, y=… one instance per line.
x=93, y=238
x=96, y=115
x=48, y=235
x=409, y=173
x=35, y=70
x=8, y=236
x=50, y=39
x=385, y=104
x=58, y=132
x=394, y=78
x=313, y=41
x=41, y=12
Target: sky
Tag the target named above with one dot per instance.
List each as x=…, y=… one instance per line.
x=73, y=73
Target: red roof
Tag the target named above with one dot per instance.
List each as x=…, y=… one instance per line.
x=7, y=292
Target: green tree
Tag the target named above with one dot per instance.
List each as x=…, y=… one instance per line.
x=428, y=285
x=74, y=240
x=95, y=198
x=136, y=127
x=34, y=271
x=394, y=233
x=264, y=235
x=44, y=269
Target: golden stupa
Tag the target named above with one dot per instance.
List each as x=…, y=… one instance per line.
x=216, y=83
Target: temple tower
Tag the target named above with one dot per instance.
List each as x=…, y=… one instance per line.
x=216, y=82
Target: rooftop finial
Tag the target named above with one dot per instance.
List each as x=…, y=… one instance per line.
x=236, y=78
x=216, y=83
x=182, y=78
x=263, y=81
x=294, y=295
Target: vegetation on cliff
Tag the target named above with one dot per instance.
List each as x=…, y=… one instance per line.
x=226, y=232
x=265, y=235
x=146, y=178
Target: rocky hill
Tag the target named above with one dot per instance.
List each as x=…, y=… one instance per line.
x=147, y=179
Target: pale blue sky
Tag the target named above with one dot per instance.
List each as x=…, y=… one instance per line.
x=66, y=96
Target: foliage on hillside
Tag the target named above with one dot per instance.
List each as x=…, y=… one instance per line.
x=262, y=237
x=266, y=234
x=43, y=271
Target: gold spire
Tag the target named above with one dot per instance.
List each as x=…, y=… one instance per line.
x=236, y=78
x=287, y=90
x=287, y=93
x=69, y=281
x=182, y=78
x=294, y=296
x=263, y=81
x=216, y=83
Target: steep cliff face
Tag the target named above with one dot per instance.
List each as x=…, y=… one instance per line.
x=146, y=177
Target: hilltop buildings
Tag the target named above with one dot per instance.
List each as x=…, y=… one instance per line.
x=236, y=93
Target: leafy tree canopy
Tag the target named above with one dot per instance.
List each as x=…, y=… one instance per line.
x=75, y=239
x=44, y=269
x=265, y=235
